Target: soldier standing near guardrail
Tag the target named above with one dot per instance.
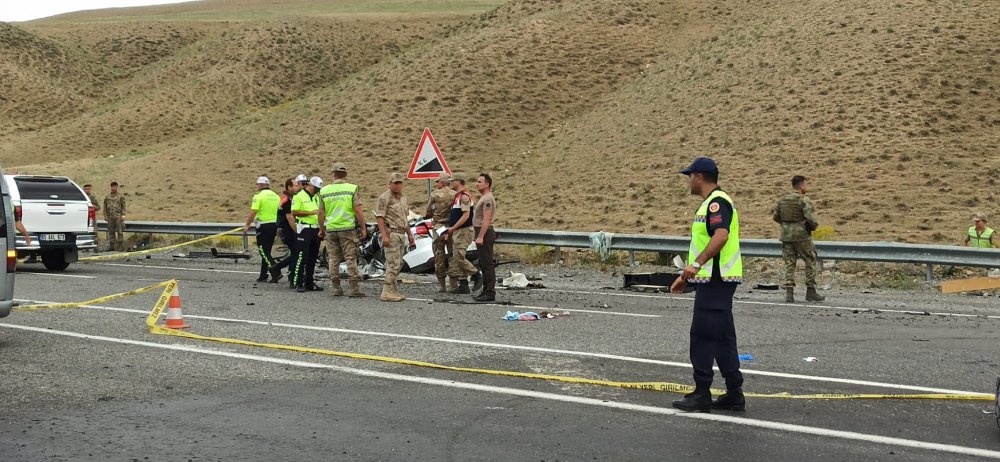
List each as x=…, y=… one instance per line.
x=482, y=221
x=391, y=213
x=341, y=215
x=439, y=209
x=286, y=227
x=716, y=268
x=795, y=212
x=305, y=209
x=114, y=214
x=460, y=234
x=264, y=208
x=979, y=235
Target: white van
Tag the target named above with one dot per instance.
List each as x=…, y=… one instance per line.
x=57, y=214
x=7, y=233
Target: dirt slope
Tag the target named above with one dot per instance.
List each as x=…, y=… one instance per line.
x=583, y=110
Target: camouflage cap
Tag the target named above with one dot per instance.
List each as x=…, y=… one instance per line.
x=444, y=177
x=396, y=178
x=339, y=167
x=458, y=176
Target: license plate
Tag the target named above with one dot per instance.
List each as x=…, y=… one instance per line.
x=51, y=237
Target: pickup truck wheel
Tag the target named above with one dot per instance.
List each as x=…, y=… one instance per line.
x=54, y=260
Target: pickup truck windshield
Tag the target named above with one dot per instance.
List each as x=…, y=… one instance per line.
x=48, y=189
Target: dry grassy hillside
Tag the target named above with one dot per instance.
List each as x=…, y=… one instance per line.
x=583, y=110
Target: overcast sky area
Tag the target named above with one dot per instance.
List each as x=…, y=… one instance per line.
x=26, y=10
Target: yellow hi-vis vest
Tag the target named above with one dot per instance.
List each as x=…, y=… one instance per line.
x=338, y=204
x=729, y=257
x=980, y=240
x=303, y=202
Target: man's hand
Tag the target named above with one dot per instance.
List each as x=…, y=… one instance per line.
x=27, y=239
x=246, y=229
x=364, y=233
x=678, y=286
x=322, y=233
x=689, y=273
x=413, y=241
x=385, y=242
x=479, y=241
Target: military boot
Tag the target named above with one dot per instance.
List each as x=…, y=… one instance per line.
x=733, y=400
x=389, y=294
x=397, y=293
x=442, y=285
x=463, y=288
x=700, y=400
x=789, y=294
x=356, y=290
x=813, y=296
x=337, y=290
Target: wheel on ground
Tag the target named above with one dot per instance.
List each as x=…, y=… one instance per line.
x=54, y=260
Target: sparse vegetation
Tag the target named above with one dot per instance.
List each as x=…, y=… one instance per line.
x=555, y=97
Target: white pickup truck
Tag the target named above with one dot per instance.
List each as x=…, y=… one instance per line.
x=57, y=214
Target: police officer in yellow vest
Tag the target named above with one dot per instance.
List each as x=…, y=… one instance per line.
x=715, y=267
x=341, y=215
x=264, y=209
x=980, y=235
x=305, y=209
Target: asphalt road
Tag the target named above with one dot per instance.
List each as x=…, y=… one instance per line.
x=92, y=384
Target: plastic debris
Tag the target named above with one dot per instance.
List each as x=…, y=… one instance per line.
x=746, y=357
x=810, y=359
x=600, y=243
x=532, y=316
x=515, y=281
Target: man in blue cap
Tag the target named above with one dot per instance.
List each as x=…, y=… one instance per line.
x=715, y=267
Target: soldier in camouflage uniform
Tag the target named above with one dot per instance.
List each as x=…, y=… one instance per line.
x=439, y=208
x=795, y=212
x=114, y=214
x=391, y=213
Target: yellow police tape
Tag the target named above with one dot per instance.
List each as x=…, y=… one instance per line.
x=118, y=256
x=92, y=301
x=169, y=286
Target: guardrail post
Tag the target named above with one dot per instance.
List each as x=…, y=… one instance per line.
x=558, y=252
x=631, y=258
x=819, y=265
x=246, y=243
x=930, y=272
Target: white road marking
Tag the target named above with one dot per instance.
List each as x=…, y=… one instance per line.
x=772, y=425
x=794, y=305
x=176, y=268
x=542, y=308
x=21, y=273
x=550, y=350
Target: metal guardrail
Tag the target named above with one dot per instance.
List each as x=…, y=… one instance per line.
x=888, y=252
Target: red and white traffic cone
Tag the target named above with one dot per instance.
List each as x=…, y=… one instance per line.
x=175, y=320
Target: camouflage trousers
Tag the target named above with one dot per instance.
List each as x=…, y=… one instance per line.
x=459, y=267
x=394, y=257
x=342, y=246
x=442, y=249
x=116, y=234
x=792, y=252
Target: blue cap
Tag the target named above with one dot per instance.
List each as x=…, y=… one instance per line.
x=701, y=164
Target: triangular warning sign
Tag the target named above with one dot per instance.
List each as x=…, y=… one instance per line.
x=427, y=161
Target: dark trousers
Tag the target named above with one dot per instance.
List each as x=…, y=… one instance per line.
x=713, y=335
x=266, y=232
x=487, y=264
x=306, y=253
x=289, y=239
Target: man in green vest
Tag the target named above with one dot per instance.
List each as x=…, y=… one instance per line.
x=264, y=209
x=305, y=209
x=715, y=267
x=341, y=215
x=795, y=212
x=980, y=235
